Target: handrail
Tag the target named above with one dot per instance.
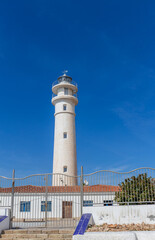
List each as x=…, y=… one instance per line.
x=57, y=82
x=55, y=95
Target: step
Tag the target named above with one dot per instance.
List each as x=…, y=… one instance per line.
x=15, y=231
x=39, y=231
x=37, y=234
x=49, y=238
x=24, y=235
x=54, y=238
x=44, y=236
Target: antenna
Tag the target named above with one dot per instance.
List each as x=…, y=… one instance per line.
x=86, y=183
x=64, y=72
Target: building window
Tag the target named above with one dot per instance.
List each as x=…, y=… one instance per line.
x=88, y=203
x=66, y=91
x=65, y=169
x=64, y=107
x=25, y=206
x=49, y=206
x=65, y=135
x=107, y=203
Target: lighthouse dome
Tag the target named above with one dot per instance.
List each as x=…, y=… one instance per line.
x=64, y=78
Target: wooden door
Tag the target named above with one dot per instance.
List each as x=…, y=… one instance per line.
x=66, y=209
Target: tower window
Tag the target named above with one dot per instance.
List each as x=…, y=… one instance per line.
x=65, y=135
x=65, y=169
x=66, y=91
x=64, y=107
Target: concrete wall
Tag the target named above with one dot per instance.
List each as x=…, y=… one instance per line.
x=4, y=225
x=5, y=211
x=122, y=214
x=116, y=236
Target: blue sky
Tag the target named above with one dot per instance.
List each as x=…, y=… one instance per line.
x=108, y=47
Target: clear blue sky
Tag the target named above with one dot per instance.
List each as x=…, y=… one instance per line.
x=108, y=47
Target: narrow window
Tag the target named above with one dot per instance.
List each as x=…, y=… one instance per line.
x=64, y=107
x=43, y=206
x=25, y=206
x=65, y=135
x=88, y=203
x=65, y=169
x=66, y=91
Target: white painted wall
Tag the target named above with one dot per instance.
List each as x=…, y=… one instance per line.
x=35, y=211
x=4, y=225
x=122, y=214
x=145, y=235
x=55, y=198
x=101, y=214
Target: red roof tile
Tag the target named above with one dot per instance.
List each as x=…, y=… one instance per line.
x=61, y=189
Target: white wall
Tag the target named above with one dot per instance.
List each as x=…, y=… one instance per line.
x=141, y=235
x=102, y=214
x=122, y=214
x=4, y=225
x=55, y=198
x=35, y=205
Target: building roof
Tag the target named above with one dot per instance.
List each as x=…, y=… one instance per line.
x=61, y=189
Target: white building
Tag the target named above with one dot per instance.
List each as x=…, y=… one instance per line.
x=64, y=160
x=62, y=202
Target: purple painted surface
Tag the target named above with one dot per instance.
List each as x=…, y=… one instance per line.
x=83, y=223
x=2, y=218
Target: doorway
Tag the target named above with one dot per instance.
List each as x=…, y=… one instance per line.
x=66, y=209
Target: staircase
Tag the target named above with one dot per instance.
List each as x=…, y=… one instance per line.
x=37, y=234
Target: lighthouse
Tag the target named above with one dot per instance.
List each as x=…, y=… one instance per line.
x=64, y=99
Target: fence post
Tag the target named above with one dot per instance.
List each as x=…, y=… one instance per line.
x=46, y=195
x=12, y=197
x=81, y=190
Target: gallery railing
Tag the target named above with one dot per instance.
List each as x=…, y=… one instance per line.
x=73, y=95
x=57, y=82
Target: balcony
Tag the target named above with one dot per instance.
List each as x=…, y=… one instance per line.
x=63, y=95
x=56, y=98
x=63, y=82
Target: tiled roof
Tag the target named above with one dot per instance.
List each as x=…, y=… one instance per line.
x=61, y=189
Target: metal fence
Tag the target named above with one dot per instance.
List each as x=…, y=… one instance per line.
x=109, y=188
x=51, y=200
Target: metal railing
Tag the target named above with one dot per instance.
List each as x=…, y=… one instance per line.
x=73, y=95
x=126, y=188
x=57, y=82
x=57, y=200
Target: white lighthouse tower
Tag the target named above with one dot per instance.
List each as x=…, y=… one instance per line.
x=64, y=160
